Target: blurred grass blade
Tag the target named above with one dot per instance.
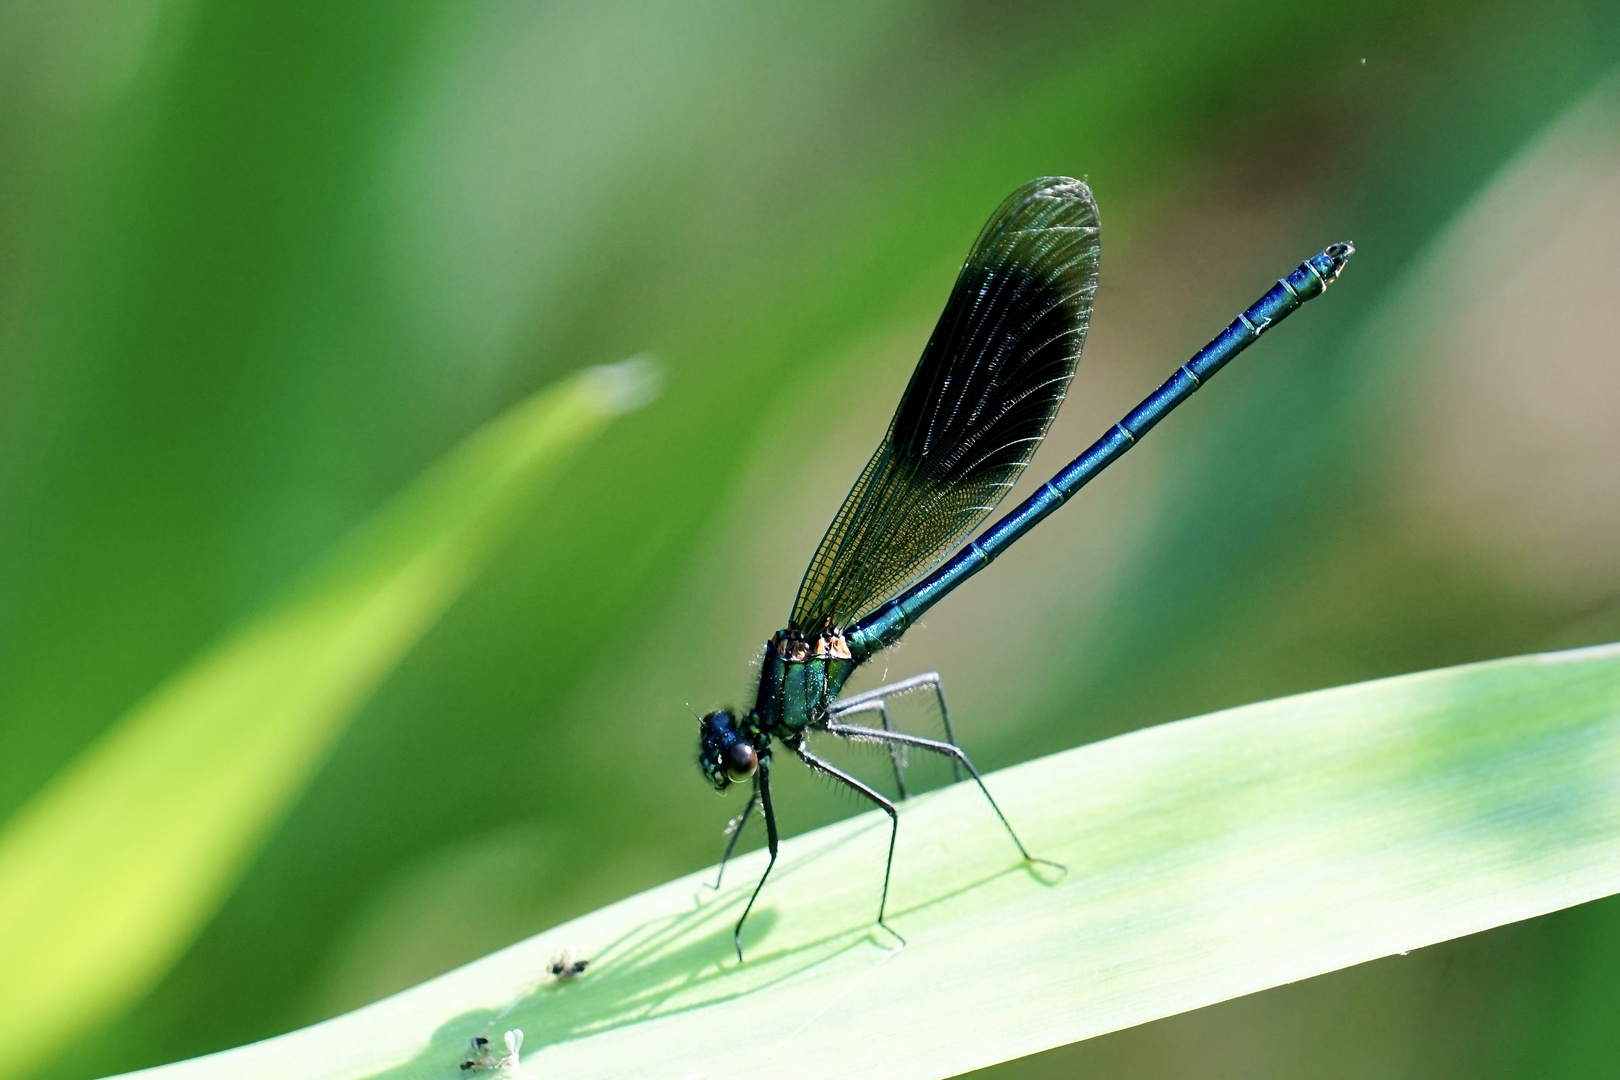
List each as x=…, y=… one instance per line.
x=110, y=872
x=1207, y=859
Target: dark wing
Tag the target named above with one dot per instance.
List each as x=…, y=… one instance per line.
x=983, y=395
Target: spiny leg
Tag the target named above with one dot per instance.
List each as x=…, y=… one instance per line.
x=896, y=755
x=734, y=830
x=842, y=777
x=945, y=715
x=864, y=702
x=763, y=790
x=850, y=731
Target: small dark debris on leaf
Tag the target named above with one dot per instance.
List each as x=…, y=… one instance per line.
x=482, y=1059
x=567, y=965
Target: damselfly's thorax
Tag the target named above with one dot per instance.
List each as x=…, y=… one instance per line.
x=799, y=648
x=799, y=677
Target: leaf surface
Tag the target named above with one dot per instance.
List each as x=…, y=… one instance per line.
x=1207, y=859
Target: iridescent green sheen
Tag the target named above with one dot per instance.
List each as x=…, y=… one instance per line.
x=793, y=693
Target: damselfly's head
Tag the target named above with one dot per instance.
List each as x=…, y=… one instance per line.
x=725, y=752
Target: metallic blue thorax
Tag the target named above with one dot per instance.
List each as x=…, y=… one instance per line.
x=798, y=680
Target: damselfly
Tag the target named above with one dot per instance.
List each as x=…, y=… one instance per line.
x=981, y=400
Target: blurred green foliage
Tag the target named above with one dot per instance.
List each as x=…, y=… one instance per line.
x=261, y=263
x=108, y=874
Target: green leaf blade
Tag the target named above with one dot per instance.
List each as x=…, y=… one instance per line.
x=1207, y=859
x=109, y=872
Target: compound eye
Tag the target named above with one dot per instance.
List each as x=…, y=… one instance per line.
x=741, y=761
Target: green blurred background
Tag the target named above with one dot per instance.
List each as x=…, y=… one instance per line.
x=261, y=263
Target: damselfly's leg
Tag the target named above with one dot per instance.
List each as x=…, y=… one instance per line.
x=896, y=752
x=734, y=830
x=877, y=699
x=850, y=731
x=762, y=789
x=829, y=769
